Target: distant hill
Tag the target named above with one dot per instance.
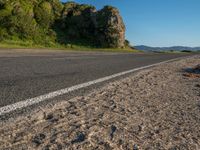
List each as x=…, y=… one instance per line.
x=175, y=48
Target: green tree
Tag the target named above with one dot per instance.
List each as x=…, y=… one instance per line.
x=44, y=14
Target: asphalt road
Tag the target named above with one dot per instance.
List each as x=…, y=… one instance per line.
x=26, y=75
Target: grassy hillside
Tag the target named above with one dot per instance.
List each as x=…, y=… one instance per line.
x=50, y=23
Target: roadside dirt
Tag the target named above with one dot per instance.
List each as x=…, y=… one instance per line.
x=158, y=108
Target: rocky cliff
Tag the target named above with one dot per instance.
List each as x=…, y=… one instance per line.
x=50, y=21
x=110, y=27
x=104, y=28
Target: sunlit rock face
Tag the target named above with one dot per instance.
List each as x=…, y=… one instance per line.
x=110, y=27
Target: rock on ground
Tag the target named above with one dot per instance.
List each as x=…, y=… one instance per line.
x=153, y=109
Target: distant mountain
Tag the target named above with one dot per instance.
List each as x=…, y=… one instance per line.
x=175, y=48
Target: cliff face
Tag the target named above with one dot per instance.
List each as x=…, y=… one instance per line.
x=52, y=21
x=104, y=28
x=110, y=27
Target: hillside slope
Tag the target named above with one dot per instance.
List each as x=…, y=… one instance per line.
x=50, y=22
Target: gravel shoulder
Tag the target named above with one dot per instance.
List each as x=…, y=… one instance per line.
x=153, y=109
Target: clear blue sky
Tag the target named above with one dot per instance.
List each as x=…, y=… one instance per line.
x=158, y=22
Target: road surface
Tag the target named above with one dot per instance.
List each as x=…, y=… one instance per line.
x=25, y=75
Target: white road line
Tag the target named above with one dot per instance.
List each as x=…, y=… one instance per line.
x=29, y=102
